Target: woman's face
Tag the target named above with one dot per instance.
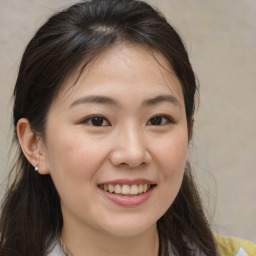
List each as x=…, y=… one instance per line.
x=116, y=143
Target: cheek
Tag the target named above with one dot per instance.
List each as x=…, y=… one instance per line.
x=172, y=163
x=72, y=162
x=173, y=154
x=170, y=154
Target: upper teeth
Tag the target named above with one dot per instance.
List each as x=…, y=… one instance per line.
x=126, y=189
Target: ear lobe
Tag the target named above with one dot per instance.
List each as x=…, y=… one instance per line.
x=31, y=145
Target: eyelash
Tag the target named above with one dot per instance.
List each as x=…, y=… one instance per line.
x=101, y=120
x=168, y=120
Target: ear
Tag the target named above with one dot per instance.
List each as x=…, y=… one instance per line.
x=32, y=146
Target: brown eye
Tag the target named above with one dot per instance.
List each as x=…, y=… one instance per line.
x=97, y=121
x=159, y=120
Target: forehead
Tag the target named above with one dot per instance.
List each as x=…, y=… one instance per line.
x=123, y=65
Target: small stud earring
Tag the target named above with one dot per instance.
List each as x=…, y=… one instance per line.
x=36, y=168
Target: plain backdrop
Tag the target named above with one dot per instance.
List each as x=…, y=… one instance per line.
x=221, y=39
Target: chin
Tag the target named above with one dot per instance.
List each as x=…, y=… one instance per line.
x=130, y=228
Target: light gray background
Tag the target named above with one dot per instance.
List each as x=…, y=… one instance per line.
x=221, y=39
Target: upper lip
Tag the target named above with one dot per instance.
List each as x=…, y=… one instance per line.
x=128, y=182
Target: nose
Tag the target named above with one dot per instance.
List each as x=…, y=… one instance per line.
x=130, y=149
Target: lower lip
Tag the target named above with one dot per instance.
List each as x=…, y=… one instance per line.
x=128, y=201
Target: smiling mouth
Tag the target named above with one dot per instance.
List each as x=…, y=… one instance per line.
x=126, y=190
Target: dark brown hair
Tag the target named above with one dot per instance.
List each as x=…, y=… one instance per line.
x=31, y=214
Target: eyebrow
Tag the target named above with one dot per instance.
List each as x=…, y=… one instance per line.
x=162, y=98
x=109, y=101
x=95, y=99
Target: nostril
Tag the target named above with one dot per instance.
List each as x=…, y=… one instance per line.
x=132, y=165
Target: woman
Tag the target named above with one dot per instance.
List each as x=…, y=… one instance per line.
x=103, y=113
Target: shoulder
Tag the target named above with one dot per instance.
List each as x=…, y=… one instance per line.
x=56, y=250
x=229, y=246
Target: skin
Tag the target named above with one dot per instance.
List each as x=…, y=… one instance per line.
x=128, y=145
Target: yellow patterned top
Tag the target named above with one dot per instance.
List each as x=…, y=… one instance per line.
x=229, y=246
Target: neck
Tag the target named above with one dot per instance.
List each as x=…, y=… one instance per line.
x=93, y=243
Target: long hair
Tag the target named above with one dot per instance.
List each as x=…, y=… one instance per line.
x=31, y=214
